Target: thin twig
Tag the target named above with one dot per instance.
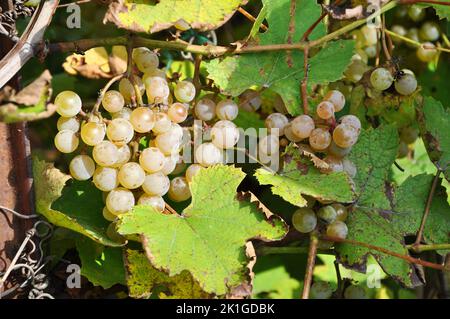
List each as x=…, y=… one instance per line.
x=387, y=54
x=418, y=44
x=314, y=241
x=304, y=82
x=430, y=247
x=251, y=18
x=427, y=208
x=196, y=79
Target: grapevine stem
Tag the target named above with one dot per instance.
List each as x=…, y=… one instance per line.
x=304, y=82
x=427, y=208
x=310, y=265
x=405, y=39
x=430, y=247
x=251, y=18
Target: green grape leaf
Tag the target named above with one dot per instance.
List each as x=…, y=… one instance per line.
x=283, y=71
x=208, y=239
x=248, y=120
x=300, y=177
x=143, y=279
x=436, y=80
x=77, y=206
x=434, y=122
x=153, y=16
x=29, y=104
x=384, y=213
x=101, y=265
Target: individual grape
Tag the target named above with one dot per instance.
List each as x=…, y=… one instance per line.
x=179, y=189
x=105, y=178
x=409, y=135
x=278, y=105
x=207, y=154
x=205, y=109
x=336, y=98
x=403, y=150
x=400, y=30
x=337, y=229
x=66, y=141
x=370, y=35
x=105, y=153
x=119, y=201
x=142, y=119
x=145, y=59
x=126, y=88
x=169, y=142
x=162, y=123
x=269, y=145
x=325, y=110
x=341, y=212
x=152, y=159
x=290, y=135
x=68, y=104
x=193, y=170
x=82, y=167
x=304, y=220
x=250, y=100
x=68, y=123
x=320, y=290
x=113, y=101
x=156, y=202
x=131, y=175
x=108, y=215
x=406, y=84
x=413, y=34
x=334, y=164
x=337, y=151
x=156, y=184
x=124, y=113
x=355, y=71
x=371, y=51
x=327, y=214
x=184, y=91
x=182, y=25
x=178, y=112
x=429, y=31
x=92, y=133
x=427, y=52
x=353, y=121
x=345, y=136
x=170, y=164
x=227, y=110
x=381, y=79
x=349, y=167
x=320, y=139
x=155, y=72
x=224, y=134
x=123, y=156
x=355, y=292
x=416, y=13
x=157, y=89
x=120, y=131
x=302, y=126
x=276, y=122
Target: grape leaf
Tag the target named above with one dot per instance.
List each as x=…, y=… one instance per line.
x=300, y=177
x=208, y=239
x=143, y=279
x=283, y=71
x=434, y=123
x=153, y=16
x=76, y=206
x=248, y=120
x=383, y=213
x=101, y=265
x=443, y=11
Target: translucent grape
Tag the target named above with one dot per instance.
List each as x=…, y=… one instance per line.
x=224, y=134
x=123, y=156
x=178, y=112
x=157, y=89
x=169, y=142
x=82, y=167
x=105, y=178
x=429, y=31
x=356, y=70
x=68, y=123
x=124, y=113
x=302, y=126
x=416, y=13
x=108, y=215
x=179, y=189
x=205, y=109
x=336, y=98
x=370, y=35
x=162, y=123
x=156, y=202
x=145, y=59
x=131, y=175
x=276, y=122
x=355, y=292
x=427, y=52
x=400, y=30
x=227, y=110
x=156, y=184
x=155, y=72
x=413, y=34
x=341, y=211
x=269, y=145
x=290, y=135
x=320, y=139
x=184, y=91
x=325, y=110
x=152, y=159
x=142, y=119
x=304, y=220
x=345, y=135
x=250, y=100
x=351, y=120
x=66, y=141
x=337, y=229
x=105, y=153
x=126, y=88
x=338, y=151
x=170, y=164
x=113, y=101
x=327, y=214
x=192, y=170
x=92, y=133
x=207, y=154
x=406, y=84
x=320, y=290
x=119, y=201
x=68, y=104
x=381, y=79
x=120, y=131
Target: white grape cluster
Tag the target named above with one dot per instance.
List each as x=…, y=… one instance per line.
x=111, y=156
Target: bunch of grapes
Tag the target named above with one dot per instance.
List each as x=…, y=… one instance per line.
x=126, y=172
